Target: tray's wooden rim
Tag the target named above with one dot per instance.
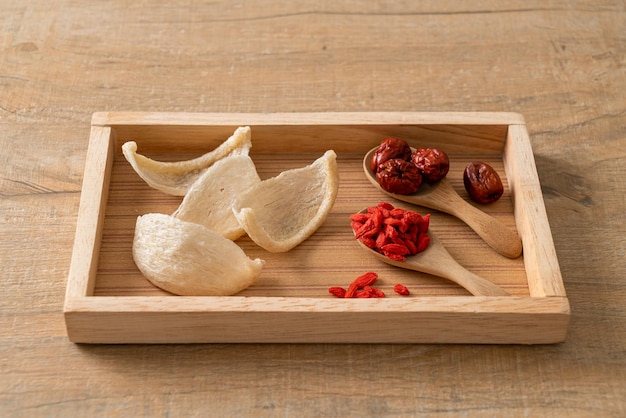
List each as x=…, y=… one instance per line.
x=463, y=319
x=540, y=257
x=311, y=118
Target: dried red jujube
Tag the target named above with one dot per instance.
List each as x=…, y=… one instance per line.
x=432, y=163
x=389, y=149
x=482, y=182
x=399, y=176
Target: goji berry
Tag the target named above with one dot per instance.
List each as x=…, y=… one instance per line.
x=360, y=282
x=391, y=232
x=423, y=241
x=378, y=217
x=379, y=293
x=396, y=257
x=362, y=294
x=412, y=233
x=381, y=241
x=411, y=246
x=374, y=292
x=424, y=223
x=411, y=217
x=398, y=249
x=401, y=289
x=340, y=292
x=356, y=227
x=397, y=213
x=368, y=226
x=396, y=222
x=361, y=287
x=398, y=240
x=359, y=217
x=369, y=242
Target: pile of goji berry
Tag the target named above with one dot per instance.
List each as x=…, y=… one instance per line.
x=361, y=287
x=391, y=231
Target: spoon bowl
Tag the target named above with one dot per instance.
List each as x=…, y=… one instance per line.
x=436, y=260
x=441, y=196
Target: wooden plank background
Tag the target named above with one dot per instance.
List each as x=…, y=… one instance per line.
x=559, y=63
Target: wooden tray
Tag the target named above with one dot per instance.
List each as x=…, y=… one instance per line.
x=109, y=301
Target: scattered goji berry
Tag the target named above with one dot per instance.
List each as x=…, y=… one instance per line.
x=374, y=292
x=401, y=289
x=361, y=287
x=340, y=292
x=360, y=282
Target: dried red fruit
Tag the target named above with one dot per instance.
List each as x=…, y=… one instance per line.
x=374, y=292
x=369, y=242
x=385, y=206
x=359, y=217
x=482, y=182
x=394, y=232
x=401, y=289
x=432, y=163
x=423, y=240
x=399, y=176
x=397, y=249
x=363, y=280
x=411, y=246
x=388, y=149
x=340, y=292
x=361, y=287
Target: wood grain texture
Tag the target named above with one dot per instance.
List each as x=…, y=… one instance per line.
x=559, y=63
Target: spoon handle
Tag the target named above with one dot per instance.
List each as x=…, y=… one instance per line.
x=492, y=231
x=436, y=260
x=475, y=284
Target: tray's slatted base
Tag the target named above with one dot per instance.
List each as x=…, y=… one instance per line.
x=330, y=257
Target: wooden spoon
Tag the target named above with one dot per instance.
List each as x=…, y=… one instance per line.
x=436, y=260
x=442, y=197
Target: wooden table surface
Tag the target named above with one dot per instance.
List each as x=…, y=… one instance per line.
x=562, y=64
